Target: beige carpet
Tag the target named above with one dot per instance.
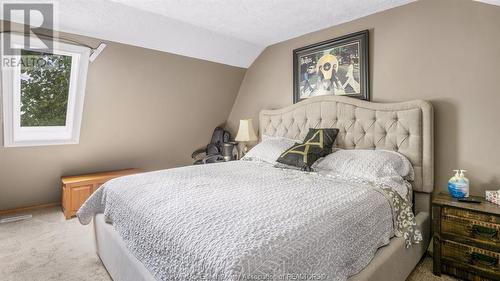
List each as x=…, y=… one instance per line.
x=48, y=247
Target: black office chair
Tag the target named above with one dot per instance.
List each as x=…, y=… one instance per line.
x=212, y=153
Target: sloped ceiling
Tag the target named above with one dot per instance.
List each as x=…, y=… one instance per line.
x=491, y=2
x=225, y=31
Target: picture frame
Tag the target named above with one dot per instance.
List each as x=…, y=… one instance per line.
x=338, y=66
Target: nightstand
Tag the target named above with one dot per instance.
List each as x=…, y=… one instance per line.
x=466, y=238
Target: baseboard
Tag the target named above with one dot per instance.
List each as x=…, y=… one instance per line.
x=29, y=208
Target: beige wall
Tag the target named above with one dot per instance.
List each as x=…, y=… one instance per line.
x=444, y=51
x=143, y=109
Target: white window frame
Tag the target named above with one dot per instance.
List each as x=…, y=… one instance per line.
x=14, y=134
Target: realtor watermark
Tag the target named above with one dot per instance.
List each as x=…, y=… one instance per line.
x=28, y=26
x=26, y=61
x=38, y=25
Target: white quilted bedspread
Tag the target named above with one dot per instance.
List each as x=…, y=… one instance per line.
x=245, y=221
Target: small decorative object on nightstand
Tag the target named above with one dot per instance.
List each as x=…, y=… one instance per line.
x=246, y=133
x=493, y=196
x=466, y=238
x=229, y=151
x=76, y=189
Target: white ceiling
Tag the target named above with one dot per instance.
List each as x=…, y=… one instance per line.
x=263, y=22
x=492, y=2
x=232, y=32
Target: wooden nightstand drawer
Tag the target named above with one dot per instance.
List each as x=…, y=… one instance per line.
x=479, y=260
x=463, y=213
x=462, y=229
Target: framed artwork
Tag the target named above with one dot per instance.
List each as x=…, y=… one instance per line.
x=335, y=67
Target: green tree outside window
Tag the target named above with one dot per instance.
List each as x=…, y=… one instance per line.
x=45, y=80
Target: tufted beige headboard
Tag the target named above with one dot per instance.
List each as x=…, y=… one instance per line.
x=405, y=127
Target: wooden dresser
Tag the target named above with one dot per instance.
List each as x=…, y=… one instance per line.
x=76, y=189
x=466, y=238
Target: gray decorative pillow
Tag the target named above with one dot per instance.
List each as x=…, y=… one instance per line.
x=318, y=143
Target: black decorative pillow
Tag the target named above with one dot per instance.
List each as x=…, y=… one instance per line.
x=318, y=143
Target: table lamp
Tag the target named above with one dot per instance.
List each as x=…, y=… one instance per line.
x=246, y=133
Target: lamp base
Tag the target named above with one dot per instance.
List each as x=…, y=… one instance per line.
x=243, y=149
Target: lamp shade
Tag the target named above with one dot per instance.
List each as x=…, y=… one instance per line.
x=246, y=132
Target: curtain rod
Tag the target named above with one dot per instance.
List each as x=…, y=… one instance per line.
x=57, y=38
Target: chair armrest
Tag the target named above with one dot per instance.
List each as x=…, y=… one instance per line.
x=197, y=152
x=216, y=157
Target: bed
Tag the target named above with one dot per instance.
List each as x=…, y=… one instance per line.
x=279, y=240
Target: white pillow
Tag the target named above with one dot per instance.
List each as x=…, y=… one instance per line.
x=366, y=164
x=269, y=149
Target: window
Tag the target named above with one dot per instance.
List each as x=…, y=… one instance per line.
x=43, y=94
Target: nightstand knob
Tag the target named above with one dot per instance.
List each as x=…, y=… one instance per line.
x=477, y=258
x=482, y=231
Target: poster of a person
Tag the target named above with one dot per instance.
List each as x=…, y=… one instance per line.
x=336, y=67
x=350, y=78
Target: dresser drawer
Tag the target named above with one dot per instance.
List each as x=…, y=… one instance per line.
x=486, y=234
x=483, y=261
x=463, y=213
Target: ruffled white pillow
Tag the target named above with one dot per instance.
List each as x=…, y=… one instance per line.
x=269, y=149
x=366, y=164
